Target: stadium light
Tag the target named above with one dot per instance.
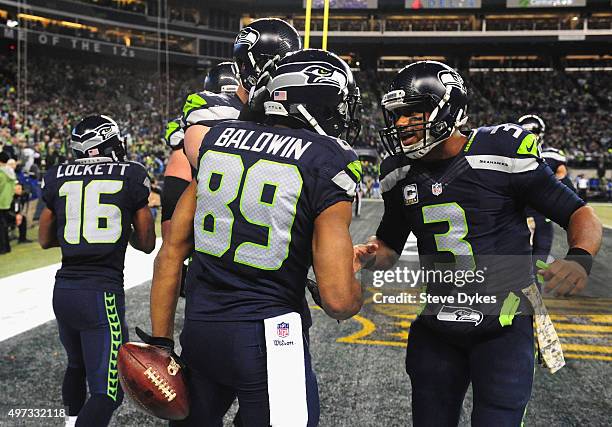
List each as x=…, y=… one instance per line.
x=11, y=23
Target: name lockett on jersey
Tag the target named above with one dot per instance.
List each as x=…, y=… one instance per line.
x=85, y=170
x=280, y=145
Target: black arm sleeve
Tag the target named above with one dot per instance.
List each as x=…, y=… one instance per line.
x=393, y=229
x=545, y=193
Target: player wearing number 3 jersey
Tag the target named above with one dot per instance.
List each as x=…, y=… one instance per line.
x=91, y=206
x=269, y=201
x=464, y=197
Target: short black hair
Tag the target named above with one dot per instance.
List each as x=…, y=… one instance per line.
x=4, y=157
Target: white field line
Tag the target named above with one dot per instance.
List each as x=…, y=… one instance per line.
x=26, y=297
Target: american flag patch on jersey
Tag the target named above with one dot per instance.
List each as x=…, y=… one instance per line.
x=279, y=95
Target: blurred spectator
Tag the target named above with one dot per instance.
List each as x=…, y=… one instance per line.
x=20, y=201
x=7, y=189
x=582, y=185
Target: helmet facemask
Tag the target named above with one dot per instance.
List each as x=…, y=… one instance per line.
x=353, y=123
x=436, y=128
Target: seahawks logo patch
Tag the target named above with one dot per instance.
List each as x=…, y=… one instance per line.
x=460, y=314
x=325, y=74
x=450, y=78
x=248, y=36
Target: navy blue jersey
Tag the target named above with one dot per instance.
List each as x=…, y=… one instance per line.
x=468, y=212
x=259, y=191
x=94, y=204
x=553, y=158
x=208, y=109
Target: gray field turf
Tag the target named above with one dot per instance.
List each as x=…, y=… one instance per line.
x=361, y=380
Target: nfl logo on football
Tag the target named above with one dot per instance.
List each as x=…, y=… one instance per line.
x=282, y=330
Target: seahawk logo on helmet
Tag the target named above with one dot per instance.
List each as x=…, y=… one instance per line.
x=451, y=78
x=97, y=136
x=325, y=74
x=313, y=89
x=248, y=36
x=303, y=74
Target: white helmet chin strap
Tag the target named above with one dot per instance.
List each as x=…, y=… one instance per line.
x=311, y=120
x=272, y=108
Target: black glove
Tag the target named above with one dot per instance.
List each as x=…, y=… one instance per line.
x=314, y=291
x=259, y=93
x=161, y=342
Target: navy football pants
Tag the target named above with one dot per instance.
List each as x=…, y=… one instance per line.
x=226, y=360
x=500, y=368
x=92, y=328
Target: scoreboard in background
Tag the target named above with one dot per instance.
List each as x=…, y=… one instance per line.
x=345, y=4
x=443, y=4
x=544, y=3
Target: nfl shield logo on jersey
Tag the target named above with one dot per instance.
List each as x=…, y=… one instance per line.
x=436, y=189
x=282, y=330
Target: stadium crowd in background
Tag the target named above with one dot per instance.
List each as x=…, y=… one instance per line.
x=575, y=107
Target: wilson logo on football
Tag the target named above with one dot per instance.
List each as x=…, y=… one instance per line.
x=158, y=381
x=173, y=367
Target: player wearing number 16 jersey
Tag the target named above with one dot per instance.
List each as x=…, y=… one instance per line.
x=269, y=201
x=91, y=206
x=464, y=198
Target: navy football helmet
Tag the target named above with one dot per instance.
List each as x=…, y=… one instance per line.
x=260, y=41
x=222, y=78
x=97, y=136
x=314, y=89
x=423, y=87
x=533, y=124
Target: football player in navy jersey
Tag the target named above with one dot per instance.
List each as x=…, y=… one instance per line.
x=94, y=206
x=222, y=79
x=464, y=198
x=268, y=202
x=255, y=45
x=541, y=228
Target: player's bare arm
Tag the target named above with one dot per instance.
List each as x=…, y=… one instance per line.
x=332, y=262
x=168, y=264
x=569, y=276
x=47, y=230
x=193, y=139
x=143, y=236
x=375, y=254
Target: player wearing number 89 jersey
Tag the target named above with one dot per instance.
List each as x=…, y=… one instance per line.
x=91, y=206
x=464, y=197
x=269, y=201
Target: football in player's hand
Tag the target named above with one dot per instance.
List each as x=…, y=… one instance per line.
x=152, y=378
